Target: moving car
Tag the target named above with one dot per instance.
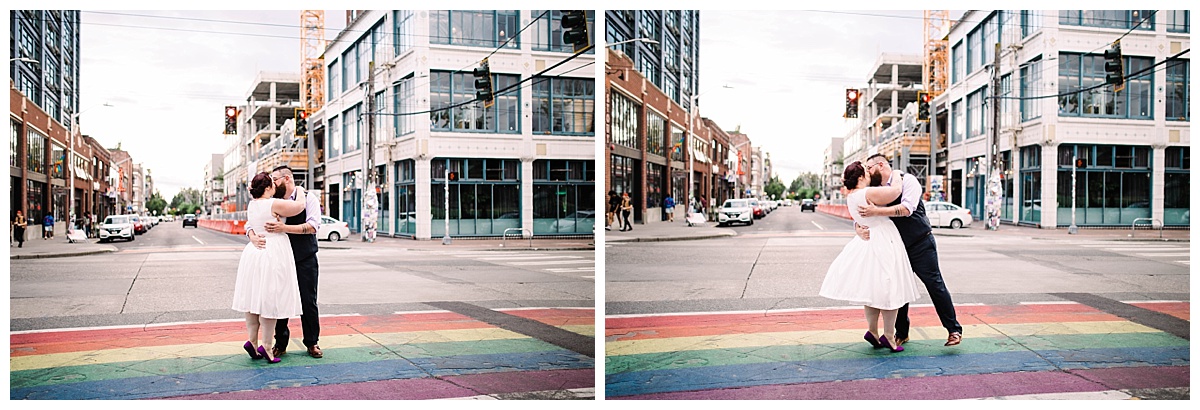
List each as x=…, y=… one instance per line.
x=759, y=212
x=808, y=204
x=189, y=219
x=735, y=210
x=331, y=229
x=139, y=225
x=116, y=226
x=947, y=214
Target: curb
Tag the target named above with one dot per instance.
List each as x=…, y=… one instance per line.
x=61, y=255
x=671, y=239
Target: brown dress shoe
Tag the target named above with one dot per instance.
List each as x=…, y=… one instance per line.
x=901, y=340
x=954, y=339
x=276, y=352
x=315, y=352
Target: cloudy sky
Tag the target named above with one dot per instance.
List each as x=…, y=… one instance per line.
x=789, y=71
x=168, y=75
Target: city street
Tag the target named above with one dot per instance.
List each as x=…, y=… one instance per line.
x=740, y=318
x=152, y=320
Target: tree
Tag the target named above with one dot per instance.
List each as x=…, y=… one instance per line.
x=156, y=204
x=774, y=188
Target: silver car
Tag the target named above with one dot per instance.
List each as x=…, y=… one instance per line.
x=116, y=226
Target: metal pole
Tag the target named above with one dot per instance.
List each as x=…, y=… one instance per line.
x=446, y=217
x=1073, y=229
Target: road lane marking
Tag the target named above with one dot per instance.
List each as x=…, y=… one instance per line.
x=513, y=258
x=1165, y=254
x=550, y=262
x=818, y=226
x=198, y=240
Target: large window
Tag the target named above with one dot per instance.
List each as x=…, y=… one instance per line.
x=1118, y=19
x=1031, y=86
x=656, y=134
x=14, y=144
x=1178, y=77
x=624, y=122
x=956, y=74
x=564, y=106
x=564, y=197
x=1005, y=104
x=405, y=102
x=58, y=158
x=1031, y=21
x=1031, y=184
x=547, y=31
x=1112, y=189
x=975, y=50
x=453, y=89
x=484, y=201
x=1080, y=71
x=335, y=81
x=656, y=184
x=957, y=121
x=479, y=28
x=1176, y=21
x=35, y=160
x=350, y=129
x=403, y=31
x=975, y=117
x=335, y=137
x=676, y=146
x=406, y=197
x=1177, y=186
x=350, y=73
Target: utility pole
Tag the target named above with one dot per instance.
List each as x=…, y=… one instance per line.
x=370, y=204
x=993, y=153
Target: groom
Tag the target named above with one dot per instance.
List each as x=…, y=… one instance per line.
x=302, y=231
x=908, y=213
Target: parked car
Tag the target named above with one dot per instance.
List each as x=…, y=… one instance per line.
x=735, y=210
x=139, y=224
x=759, y=212
x=116, y=226
x=587, y=219
x=332, y=229
x=808, y=204
x=947, y=214
x=189, y=219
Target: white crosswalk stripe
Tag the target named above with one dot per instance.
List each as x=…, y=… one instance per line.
x=552, y=261
x=1166, y=252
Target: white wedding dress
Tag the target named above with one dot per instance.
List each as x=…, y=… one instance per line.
x=873, y=272
x=266, y=278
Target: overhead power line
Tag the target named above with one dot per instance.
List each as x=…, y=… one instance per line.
x=1101, y=85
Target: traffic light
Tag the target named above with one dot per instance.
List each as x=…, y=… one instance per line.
x=1113, y=69
x=301, y=122
x=922, y=106
x=575, y=30
x=851, y=103
x=452, y=176
x=230, y=120
x=1080, y=163
x=483, y=84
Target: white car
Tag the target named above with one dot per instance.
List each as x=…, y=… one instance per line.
x=116, y=226
x=735, y=210
x=947, y=214
x=332, y=229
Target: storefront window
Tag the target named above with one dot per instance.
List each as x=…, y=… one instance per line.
x=1104, y=194
x=563, y=197
x=478, y=206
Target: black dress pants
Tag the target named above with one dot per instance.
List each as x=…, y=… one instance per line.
x=306, y=276
x=923, y=257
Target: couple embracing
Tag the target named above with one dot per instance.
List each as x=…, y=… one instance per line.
x=893, y=248
x=277, y=275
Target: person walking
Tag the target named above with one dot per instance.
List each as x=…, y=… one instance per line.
x=614, y=208
x=48, y=226
x=302, y=232
x=908, y=213
x=609, y=209
x=626, y=210
x=876, y=273
x=669, y=204
x=265, y=289
x=18, y=225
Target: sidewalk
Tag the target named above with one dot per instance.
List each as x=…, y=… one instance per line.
x=38, y=248
x=668, y=231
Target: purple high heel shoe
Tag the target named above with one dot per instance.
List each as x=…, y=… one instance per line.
x=883, y=341
x=263, y=352
x=870, y=338
x=250, y=350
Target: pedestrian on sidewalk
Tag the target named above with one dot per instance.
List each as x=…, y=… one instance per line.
x=614, y=206
x=626, y=210
x=669, y=204
x=19, y=225
x=876, y=273
x=48, y=226
x=266, y=288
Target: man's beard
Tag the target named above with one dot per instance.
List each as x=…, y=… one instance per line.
x=280, y=191
x=876, y=179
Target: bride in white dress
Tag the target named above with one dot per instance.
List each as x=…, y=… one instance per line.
x=874, y=273
x=266, y=287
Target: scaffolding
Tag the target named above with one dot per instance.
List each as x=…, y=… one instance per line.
x=935, y=68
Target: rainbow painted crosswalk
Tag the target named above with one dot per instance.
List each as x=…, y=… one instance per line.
x=1008, y=351
x=416, y=355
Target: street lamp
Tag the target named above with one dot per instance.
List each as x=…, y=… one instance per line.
x=69, y=162
x=691, y=150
